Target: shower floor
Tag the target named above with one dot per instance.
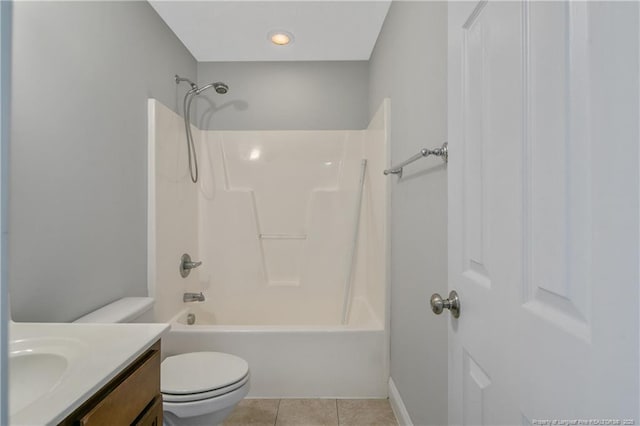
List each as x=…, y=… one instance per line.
x=312, y=412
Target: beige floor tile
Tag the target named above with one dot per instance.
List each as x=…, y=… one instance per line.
x=365, y=412
x=254, y=412
x=307, y=412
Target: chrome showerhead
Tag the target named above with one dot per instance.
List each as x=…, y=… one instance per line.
x=220, y=88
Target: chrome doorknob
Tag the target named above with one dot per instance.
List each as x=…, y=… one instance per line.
x=438, y=304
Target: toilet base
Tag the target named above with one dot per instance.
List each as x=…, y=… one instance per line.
x=208, y=412
x=209, y=419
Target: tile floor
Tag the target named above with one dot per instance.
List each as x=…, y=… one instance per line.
x=312, y=412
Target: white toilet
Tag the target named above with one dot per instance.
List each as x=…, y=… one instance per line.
x=198, y=388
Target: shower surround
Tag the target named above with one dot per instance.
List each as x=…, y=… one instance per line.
x=295, y=268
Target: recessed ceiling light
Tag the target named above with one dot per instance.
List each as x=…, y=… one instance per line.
x=280, y=38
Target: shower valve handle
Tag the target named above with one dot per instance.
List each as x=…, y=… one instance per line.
x=186, y=265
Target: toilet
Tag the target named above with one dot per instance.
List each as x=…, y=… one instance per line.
x=198, y=388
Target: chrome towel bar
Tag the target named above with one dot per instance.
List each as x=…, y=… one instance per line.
x=438, y=152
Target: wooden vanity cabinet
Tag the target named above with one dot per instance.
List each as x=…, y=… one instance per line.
x=132, y=398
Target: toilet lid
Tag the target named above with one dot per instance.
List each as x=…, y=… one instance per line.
x=200, y=372
x=194, y=397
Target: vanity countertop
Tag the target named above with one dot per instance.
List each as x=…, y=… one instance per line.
x=67, y=363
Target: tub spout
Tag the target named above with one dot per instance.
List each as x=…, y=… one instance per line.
x=193, y=297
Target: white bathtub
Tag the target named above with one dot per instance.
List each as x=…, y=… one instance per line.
x=311, y=361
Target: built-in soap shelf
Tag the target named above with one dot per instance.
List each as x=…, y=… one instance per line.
x=282, y=236
x=283, y=284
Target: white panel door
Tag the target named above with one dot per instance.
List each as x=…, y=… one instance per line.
x=543, y=212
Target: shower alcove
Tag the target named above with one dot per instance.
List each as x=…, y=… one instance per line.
x=291, y=227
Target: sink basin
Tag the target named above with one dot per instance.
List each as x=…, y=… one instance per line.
x=32, y=375
x=37, y=367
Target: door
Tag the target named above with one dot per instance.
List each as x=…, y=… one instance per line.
x=543, y=212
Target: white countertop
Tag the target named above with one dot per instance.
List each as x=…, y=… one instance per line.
x=96, y=354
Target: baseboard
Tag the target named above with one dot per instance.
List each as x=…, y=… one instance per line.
x=400, y=411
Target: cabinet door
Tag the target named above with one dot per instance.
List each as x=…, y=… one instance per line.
x=130, y=398
x=153, y=415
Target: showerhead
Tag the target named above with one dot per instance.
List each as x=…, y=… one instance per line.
x=219, y=87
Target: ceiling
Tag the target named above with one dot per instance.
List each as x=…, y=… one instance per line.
x=237, y=30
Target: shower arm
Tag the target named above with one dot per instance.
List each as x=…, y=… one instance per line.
x=197, y=90
x=179, y=79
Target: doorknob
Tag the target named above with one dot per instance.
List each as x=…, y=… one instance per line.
x=438, y=304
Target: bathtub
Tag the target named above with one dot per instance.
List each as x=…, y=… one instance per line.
x=295, y=361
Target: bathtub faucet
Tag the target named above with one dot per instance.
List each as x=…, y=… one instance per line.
x=193, y=297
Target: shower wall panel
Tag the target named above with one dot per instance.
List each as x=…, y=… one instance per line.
x=373, y=261
x=173, y=212
x=273, y=219
x=280, y=249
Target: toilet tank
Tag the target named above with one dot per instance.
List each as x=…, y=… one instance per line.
x=127, y=309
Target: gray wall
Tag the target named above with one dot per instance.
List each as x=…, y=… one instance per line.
x=285, y=95
x=409, y=66
x=82, y=73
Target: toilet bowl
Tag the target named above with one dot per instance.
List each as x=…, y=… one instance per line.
x=202, y=388
x=198, y=388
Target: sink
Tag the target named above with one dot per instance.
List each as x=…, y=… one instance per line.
x=32, y=375
x=37, y=367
